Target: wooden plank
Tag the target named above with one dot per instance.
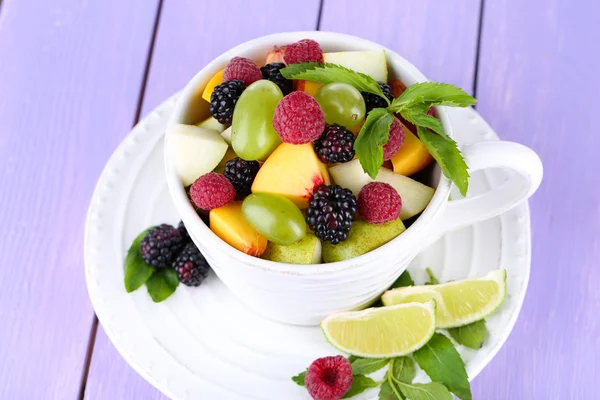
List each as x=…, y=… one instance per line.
x=537, y=85
x=439, y=37
x=191, y=34
x=69, y=81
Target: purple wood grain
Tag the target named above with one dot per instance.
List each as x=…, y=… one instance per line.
x=190, y=35
x=70, y=74
x=538, y=84
x=439, y=37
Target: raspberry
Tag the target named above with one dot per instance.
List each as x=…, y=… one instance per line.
x=303, y=51
x=212, y=190
x=329, y=378
x=160, y=245
x=379, y=202
x=298, y=118
x=336, y=145
x=223, y=99
x=191, y=266
x=242, y=69
x=330, y=213
x=395, y=140
x=272, y=72
x=373, y=101
x=241, y=174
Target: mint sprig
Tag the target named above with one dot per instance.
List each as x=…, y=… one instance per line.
x=137, y=272
x=431, y=94
x=373, y=135
x=331, y=73
x=162, y=284
x=472, y=335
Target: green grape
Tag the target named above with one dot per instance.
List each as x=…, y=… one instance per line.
x=275, y=217
x=253, y=136
x=342, y=104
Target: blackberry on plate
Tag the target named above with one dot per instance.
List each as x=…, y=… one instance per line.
x=336, y=145
x=184, y=233
x=330, y=213
x=272, y=72
x=223, y=99
x=160, y=245
x=241, y=174
x=191, y=266
x=374, y=101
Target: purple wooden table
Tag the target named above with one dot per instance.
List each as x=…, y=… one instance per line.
x=76, y=75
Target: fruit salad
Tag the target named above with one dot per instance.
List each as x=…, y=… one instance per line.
x=312, y=157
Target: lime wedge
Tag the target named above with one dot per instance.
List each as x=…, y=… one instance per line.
x=458, y=302
x=382, y=332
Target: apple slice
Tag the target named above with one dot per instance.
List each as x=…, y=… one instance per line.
x=194, y=151
x=293, y=171
x=212, y=124
x=373, y=63
x=415, y=195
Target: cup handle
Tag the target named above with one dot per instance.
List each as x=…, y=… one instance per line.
x=494, y=154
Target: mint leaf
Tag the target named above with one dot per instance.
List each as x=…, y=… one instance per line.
x=448, y=156
x=360, y=383
x=420, y=118
x=331, y=73
x=386, y=391
x=403, y=280
x=440, y=360
x=352, y=358
x=403, y=369
x=472, y=335
x=365, y=366
x=162, y=284
x=137, y=272
x=432, y=279
x=432, y=94
x=425, y=391
x=299, y=379
x=373, y=135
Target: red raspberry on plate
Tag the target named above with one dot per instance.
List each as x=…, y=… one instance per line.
x=329, y=378
x=379, y=202
x=212, y=190
x=395, y=140
x=305, y=50
x=298, y=118
x=242, y=69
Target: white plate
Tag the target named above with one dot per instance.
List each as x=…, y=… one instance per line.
x=202, y=343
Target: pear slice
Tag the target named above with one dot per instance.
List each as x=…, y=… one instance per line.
x=372, y=63
x=212, y=124
x=306, y=251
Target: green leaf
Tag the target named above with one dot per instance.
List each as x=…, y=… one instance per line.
x=448, y=156
x=330, y=73
x=352, y=358
x=432, y=279
x=365, y=366
x=425, y=391
x=403, y=369
x=360, y=383
x=386, y=391
x=162, y=284
x=432, y=94
x=403, y=280
x=440, y=360
x=420, y=118
x=137, y=272
x=373, y=135
x=299, y=379
x=472, y=335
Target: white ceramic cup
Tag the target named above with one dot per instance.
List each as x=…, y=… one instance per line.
x=305, y=294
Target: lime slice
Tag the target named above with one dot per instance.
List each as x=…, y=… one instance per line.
x=459, y=302
x=382, y=332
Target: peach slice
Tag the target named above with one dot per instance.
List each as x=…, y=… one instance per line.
x=309, y=87
x=275, y=55
x=217, y=79
x=412, y=156
x=293, y=171
x=228, y=223
x=397, y=87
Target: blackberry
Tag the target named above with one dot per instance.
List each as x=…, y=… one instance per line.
x=272, y=72
x=374, y=101
x=160, y=245
x=184, y=233
x=241, y=174
x=330, y=213
x=223, y=99
x=191, y=266
x=336, y=145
